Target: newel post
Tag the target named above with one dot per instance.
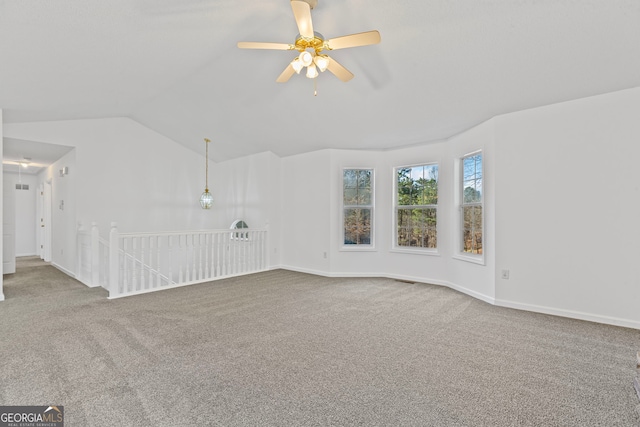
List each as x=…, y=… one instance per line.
x=79, y=236
x=266, y=247
x=95, y=254
x=114, y=260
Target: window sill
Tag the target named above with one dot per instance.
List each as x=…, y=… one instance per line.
x=358, y=248
x=474, y=259
x=417, y=251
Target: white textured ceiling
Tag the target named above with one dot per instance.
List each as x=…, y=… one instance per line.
x=442, y=67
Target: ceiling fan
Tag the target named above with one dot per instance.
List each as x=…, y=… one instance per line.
x=311, y=46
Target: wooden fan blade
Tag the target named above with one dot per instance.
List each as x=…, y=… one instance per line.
x=338, y=70
x=260, y=45
x=302, y=13
x=354, y=40
x=286, y=74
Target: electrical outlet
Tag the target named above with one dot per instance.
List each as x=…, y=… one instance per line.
x=325, y=255
x=505, y=274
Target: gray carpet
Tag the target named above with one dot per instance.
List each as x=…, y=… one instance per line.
x=288, y=349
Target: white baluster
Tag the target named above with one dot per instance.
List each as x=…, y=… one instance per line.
x=194, y=257
x=236, y=258
x=170, y=257
x=180, y=257
x=79, y=250
x=200, y=274
x=114, y=266
x=186, y=257
x=216, y=255
x=95, y=254
x=143, y=248
x=158, y=274
x=251, y=241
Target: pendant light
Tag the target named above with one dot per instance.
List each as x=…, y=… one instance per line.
x=206, y=199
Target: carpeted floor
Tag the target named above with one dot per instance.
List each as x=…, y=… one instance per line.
x=289, y=349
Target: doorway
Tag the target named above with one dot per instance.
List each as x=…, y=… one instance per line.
x=44, y=213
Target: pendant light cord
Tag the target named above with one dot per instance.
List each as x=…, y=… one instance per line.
x=206, y=168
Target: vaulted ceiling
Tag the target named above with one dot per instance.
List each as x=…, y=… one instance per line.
x=442, y=67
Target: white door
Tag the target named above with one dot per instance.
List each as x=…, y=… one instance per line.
x=45, y=223
x=9, y=227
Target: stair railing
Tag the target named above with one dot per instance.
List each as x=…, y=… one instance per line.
x=135, y=263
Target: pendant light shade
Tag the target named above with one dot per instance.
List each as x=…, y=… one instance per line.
x=306, y=58
x=297, y=65
x=206, y=199
x=322, y=61
x=312, y=71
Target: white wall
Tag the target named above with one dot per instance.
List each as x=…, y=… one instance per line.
x=127, y=173
x=25, y=202
x=383, y=260
x=305, y=212
x=1, y=186
x=477, y=279
x=418, y=267
x=561, y=202
x=352, y=262
x=567, y=203
x=64, y=201
x=249, y=189
x=317, y=199
x=122, y=172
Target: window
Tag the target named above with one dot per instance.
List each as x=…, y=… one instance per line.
x=239, y=224
x=472, y=204
x=357, y=201
x=417, y=206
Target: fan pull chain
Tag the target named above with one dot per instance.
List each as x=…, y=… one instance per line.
x=315, y=87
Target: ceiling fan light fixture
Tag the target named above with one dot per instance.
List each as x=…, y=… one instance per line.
x=321, y=61
x=297, y=65
x=312, y=71
x=310, y=44
x=306, y=58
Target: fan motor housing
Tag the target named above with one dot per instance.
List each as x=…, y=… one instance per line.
x=316, y=43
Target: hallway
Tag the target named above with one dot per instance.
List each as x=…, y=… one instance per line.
x=34, y=277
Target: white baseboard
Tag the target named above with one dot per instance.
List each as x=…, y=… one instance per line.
x=453, y=286
x=64, y=270
x=21, y=255
x=608, y=320
x=472, y=293
x=1, y=296
x=300, y=270
x=70, y=274
x=88, y=285
x=180, y=285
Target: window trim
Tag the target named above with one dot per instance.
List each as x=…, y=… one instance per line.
x=371, y=247
x=394, y=215
x=459, y=245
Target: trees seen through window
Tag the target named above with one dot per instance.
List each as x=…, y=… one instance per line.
x=417, y=206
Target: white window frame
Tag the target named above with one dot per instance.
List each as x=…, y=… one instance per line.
x=357, y=247
x=459, y=224
x=239, y=224
x=394, y=225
